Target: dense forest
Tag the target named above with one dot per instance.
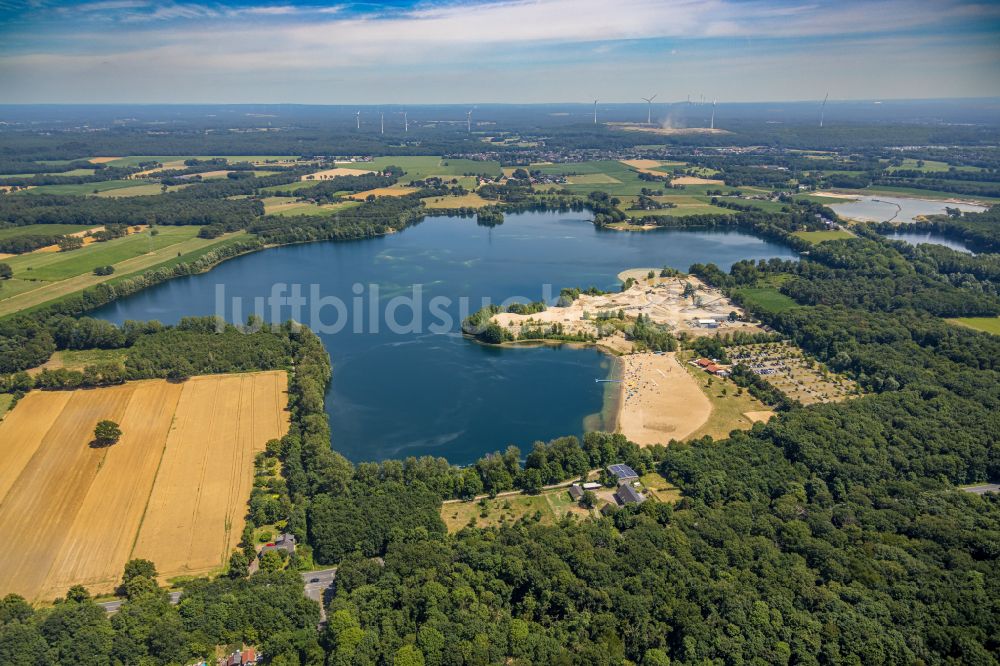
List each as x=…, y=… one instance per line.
x=831, y=535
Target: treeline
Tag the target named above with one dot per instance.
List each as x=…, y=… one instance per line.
x=958, y=186
x=100, y=175
x=195, y=346
x=326, y=191
x=28, y=242
x=980, y=232
x=28, y=339
x=173, y=208
x=371, y=218
x=268, y=610
x=867, y=272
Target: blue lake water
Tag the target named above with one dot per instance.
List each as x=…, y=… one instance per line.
x=428, y=390
x=881, y=208
x=920, y=237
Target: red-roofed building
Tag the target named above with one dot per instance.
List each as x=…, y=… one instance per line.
x=249, y=656
x=704, y=362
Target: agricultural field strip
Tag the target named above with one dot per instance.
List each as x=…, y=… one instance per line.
x=82, y=512
x=52, y=290
x=99, y=535
x=47, y=495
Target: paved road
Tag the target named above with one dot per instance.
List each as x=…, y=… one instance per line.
x=983, y=489
x=317, y=582
x=510, y=493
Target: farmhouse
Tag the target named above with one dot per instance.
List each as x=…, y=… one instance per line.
x=626, y=494
x=285, y=542
x=623, y=473
x=576, y=492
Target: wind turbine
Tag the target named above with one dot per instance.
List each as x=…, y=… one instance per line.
x=595, y=111
x=713, y=114
x=649, y=109
x=822, y=110
x=406, y=122
x=357, y=117
x=381, y=116
x=468, y=120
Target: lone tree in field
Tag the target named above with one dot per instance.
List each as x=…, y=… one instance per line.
x=107, y=433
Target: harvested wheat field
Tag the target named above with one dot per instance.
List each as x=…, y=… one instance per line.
x=391, y=191
x=172, y=490
x=333, y=173
x=695, y=180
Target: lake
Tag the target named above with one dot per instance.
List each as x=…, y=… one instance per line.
x=407, y=387
x=881, y=208
x=919, y=237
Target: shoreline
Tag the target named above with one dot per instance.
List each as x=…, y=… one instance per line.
x=647, y=382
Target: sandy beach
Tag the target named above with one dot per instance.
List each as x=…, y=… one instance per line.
x=660, y=299
x=660, y=400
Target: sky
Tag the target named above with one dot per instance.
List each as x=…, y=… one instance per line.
x=513, y=51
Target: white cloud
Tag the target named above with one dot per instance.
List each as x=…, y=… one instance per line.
x=268, y=48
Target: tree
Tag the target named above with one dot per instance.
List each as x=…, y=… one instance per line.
x=271, y=561
x=138, y=567
x=6, y=272
x=589, y=499
x=107, y=433
x=531, y=481
x=239, y=565
x=77, y=593
x=67, y=243
x=408, y=655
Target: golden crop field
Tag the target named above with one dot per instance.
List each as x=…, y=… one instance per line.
x=172, y=490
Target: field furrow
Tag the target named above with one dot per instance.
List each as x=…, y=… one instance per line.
x=22, y=431
x=173, y=489
x=43, y=503
x=100, y=541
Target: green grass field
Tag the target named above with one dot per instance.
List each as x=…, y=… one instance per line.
x=43, y=229
x=56, y=275
x=603, y=175
x=923, y=194
x=820, y=236
x=142, y=190
x=661, y=489
x=767, y=298
x=729, y=404
x=550, y=506
x=290, y=187
x=984, y=324
x=52, y=266
x=826, y=201
x=930, y=166
x=71, y=172
x=77, y=359
x=418, y=167
x=83, y=188
x=6, y=400
x=471, y=200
